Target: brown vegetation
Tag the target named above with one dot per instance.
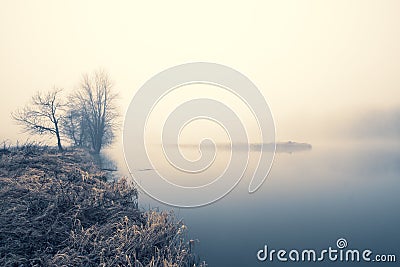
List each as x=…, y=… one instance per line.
x=56, y=209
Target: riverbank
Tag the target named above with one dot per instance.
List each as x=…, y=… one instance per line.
x=56, y=209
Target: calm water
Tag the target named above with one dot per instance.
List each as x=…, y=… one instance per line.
x=310, y=199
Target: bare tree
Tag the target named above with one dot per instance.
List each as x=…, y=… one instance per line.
x=95, y=101
x=43, y=115
x=75, y=124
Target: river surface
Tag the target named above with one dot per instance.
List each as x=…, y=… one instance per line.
x=310, y=200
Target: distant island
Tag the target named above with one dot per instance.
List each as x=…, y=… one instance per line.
x=285, y=147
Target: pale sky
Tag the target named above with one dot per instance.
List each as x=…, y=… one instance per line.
x=314, y=61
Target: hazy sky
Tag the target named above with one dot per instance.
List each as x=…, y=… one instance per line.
x=314, y=61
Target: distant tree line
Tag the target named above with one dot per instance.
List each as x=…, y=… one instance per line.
x=88, y=117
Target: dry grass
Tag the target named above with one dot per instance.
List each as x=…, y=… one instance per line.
x=56, y=209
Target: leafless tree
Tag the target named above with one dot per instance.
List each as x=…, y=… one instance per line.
x=95, y=102
x=43, y=115
x=75, y=124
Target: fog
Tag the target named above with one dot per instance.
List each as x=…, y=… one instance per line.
x=318, y=64
x=329, y=71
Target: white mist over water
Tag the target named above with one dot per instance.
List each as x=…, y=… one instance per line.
x=309, y=199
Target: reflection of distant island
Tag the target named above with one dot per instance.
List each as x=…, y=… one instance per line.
x=281, y=147
x=287, y=147
x=292, y=147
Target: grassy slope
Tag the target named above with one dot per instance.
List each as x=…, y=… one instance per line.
x=57, y=210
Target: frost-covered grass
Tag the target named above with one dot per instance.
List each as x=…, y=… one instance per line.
x=56, y=209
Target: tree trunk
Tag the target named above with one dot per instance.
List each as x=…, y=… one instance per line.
x=60, y=148
x=97, y=150
x=97, y=146
x=58, y=137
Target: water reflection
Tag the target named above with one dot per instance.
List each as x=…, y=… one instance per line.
x=310, y=199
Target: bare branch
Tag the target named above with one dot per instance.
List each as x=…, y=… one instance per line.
x=43, y=114
x=95, y=122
